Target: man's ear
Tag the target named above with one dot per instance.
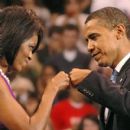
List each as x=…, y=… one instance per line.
x=120, y=31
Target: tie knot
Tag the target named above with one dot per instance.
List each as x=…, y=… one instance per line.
x=115, y=73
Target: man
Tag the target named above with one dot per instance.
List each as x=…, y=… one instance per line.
x=107, y=32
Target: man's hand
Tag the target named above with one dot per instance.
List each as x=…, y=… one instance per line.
x=78, y=75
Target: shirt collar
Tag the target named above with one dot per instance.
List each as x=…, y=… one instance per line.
x=122, y=62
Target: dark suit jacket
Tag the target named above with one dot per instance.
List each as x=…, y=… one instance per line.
x=114, y=96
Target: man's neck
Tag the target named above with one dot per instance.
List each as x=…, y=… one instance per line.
x=122, y=52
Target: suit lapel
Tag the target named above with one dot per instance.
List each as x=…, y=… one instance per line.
x=120, y=80
x=102, y=115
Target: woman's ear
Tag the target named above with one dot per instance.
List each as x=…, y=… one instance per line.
x=120, y=31
x=4, y=64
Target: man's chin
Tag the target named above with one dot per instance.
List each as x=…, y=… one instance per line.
x=102, y=64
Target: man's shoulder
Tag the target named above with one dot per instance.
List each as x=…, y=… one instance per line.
x=126, y=66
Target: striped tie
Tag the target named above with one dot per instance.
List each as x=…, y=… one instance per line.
x=107, y=110
x=114, y=76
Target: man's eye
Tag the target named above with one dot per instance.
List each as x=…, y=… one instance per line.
x=93, y=38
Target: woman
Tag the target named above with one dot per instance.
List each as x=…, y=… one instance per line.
x=20, y=35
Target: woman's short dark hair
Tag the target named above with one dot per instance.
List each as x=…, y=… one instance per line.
x=17, y=24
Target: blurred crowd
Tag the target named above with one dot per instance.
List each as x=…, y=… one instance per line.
x=63, y=48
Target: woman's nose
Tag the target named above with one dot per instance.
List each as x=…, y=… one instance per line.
x=30, y=56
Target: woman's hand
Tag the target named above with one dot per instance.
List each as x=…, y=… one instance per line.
x=60, y=81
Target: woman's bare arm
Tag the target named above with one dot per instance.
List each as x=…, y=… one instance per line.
x=13, y=116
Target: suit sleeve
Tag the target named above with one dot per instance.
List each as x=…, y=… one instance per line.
x=103, y=91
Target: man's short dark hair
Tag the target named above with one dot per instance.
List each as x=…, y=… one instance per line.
x=110, y=17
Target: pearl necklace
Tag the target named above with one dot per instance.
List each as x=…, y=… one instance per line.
x=4, y=76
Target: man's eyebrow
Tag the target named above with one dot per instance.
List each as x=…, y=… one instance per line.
x=93, y=34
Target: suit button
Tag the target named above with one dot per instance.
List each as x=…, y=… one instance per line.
x=92, y=94
x=88, y=92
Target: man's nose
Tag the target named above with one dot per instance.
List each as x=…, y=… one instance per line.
x=90, y=46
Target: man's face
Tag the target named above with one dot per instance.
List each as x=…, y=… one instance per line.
x=101, y=42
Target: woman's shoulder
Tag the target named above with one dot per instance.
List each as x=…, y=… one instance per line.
x=4, y=84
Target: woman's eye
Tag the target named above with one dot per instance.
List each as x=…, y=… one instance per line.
x=32, y=47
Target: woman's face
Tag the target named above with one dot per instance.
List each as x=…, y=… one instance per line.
x=24, y=54
x=90, y=125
